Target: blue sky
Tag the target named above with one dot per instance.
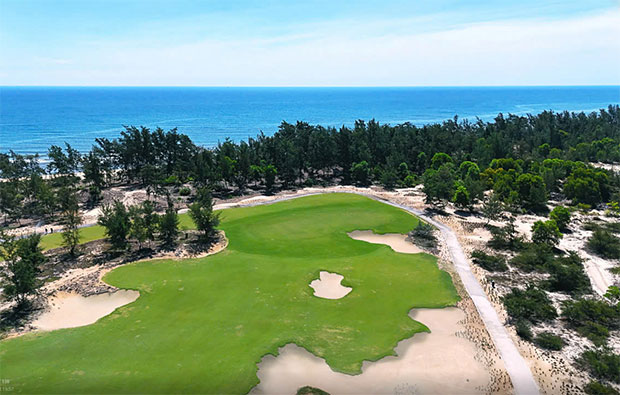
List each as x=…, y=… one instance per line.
x=311, y=43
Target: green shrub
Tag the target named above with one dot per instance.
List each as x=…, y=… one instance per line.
x=613, y=227
x=604, y=244
x=549, y=341
x=567, y=275
x=185, y=191
x=535, y=257
x=561, y=216
x=424, y=235
x=388, y=179
x=505, y=237
x=602, y=363
x=597, y=388
x=523, y=330
x=410, y=181
x=307, y=390
x=546, y=233
x=591, y=318
x=172, y=180
x=492, y=263
x=532, y=305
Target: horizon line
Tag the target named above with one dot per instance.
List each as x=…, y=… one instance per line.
x=617, y=85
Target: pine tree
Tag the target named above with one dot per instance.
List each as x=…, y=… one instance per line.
x=169, y=226
x=72, y=220
x=71, y=231
x=201, y=212
x=115, y=218
x=492, y=208
x=19, y=274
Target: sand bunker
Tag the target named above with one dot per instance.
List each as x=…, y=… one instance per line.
x=328, y=286
x=396, y=241
x=71, y=310
x=436, y=362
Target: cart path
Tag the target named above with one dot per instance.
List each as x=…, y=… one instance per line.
x=520, y=374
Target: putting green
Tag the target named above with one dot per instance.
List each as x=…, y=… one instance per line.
x=202, y=325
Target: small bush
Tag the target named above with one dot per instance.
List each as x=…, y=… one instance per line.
x=591, y=318
x=613, y=227
x=603, y=364
x=185, y=191
x=172, y=180
x=307, y=390
x=532, y=305
x=492, y=263
x=424, y=235
x=567, y=275
x=605, y=244
x=597, y=388
x=561, y=215
x=523, y=330
x=546, y=232
x=549, y=341
x=505, y=238
x=535, y=257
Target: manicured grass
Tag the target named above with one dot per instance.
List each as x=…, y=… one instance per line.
x=96, y=232
x=202, y=325
x=54, y=240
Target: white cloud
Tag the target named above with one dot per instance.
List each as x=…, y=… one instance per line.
x=519, y=52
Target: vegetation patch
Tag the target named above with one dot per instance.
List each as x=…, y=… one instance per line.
x=605, y=244
x=602, y=363
x=549, y=341
x=492, y=263
x=423, y=235
x=592, y=318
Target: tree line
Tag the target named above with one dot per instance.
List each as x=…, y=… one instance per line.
x=522, y=159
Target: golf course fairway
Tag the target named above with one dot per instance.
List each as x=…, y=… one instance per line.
x=202, y=325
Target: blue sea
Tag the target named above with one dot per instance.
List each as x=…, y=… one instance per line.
x=33, y=118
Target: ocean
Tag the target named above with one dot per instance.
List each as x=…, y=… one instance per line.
x=33, y=118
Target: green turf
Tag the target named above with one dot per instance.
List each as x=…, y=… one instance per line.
x=96, y=232
x=201, y=326
x=87, y=234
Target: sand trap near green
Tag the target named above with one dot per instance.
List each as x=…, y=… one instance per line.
x=203, y=325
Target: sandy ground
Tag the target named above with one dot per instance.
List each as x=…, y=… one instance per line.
x=440, y=362
x=552, y=370
x=72, y=310
x=597, y=268
x=398, y=242
x=328, y=286
x=615, y=167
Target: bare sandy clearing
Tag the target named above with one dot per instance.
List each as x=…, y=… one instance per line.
x=328, y=286
x=398, y=242
x=71, y=310
x=438, y=362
